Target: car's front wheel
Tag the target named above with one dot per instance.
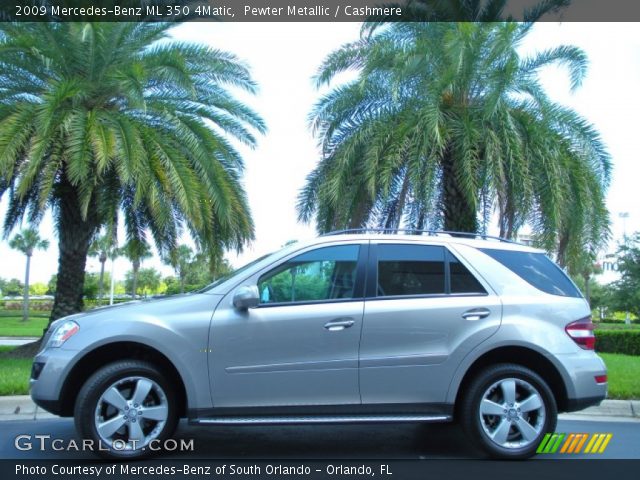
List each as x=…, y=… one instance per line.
x=127, y=409
x=507, y=409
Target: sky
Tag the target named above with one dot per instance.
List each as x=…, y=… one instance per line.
x=283, y=58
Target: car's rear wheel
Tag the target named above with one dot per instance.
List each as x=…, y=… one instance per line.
x=127, y=408
x=507, y=409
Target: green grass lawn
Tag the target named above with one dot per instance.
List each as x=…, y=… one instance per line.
x=13, y=326
x=623, y=372
x=14, y=379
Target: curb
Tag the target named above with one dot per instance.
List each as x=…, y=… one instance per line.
x=33, y=339
x=21, y=407
x=16, y=341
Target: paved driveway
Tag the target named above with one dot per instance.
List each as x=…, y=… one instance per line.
x=374, y=442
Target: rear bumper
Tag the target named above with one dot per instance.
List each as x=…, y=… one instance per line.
x=581, y=370
x=575, y=404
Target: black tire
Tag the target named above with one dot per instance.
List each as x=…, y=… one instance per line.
x=86, y=405
x=474, y=423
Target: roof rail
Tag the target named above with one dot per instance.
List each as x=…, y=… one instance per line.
x=413, y=231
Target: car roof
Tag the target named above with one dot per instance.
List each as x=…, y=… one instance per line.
x=438, y=238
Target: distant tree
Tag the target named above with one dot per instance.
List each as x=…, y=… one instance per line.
x=13, y=288
x=26, y=242
x=162, y=288
x=91, y=285
x=172, y=285
x=626, y=295
x=38, y=288
x=223, y=268
x=180, y=259
x=51, y=285
x=146, y=281
x=119, y=288
x=199, y=271
x=136, y=251
x=103, y=247
x=601, y=298
x=584, y=266
x=194, y=270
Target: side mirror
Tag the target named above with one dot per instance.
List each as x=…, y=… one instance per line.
x=246, y=297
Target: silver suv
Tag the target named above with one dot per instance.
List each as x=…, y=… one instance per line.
x=346, y=327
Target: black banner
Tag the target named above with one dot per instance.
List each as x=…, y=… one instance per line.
x=318, y=10
x=323, y=470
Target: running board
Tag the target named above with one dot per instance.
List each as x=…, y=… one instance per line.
x=282, y=420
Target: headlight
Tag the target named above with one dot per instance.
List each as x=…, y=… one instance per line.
x=62, y=333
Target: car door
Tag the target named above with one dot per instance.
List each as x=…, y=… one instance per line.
x=424, y=311
x=299, y=346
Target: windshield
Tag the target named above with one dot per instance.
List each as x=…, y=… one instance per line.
x=235, y=272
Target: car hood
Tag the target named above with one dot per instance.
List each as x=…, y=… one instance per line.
x=154, y=307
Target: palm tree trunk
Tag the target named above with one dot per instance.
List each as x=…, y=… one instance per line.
x=361, y=210
x=459, y=213
x=25, y=299
x=563, y=243
x=507, y=217
x=75, y=234
x=587, y=288
x=136, y=268
x=395, y=216
x=101, y=283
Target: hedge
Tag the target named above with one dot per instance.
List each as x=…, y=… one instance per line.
x=91, y=303
x=618, y=341
x=40, y=306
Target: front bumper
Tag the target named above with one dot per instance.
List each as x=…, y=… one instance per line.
x=47, y=390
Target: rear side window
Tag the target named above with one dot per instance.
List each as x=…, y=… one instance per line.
x=410, y=270
x=537, y=270
x=462, y=280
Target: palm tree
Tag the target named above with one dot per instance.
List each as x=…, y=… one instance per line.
x=102, y=247
x=472, y=10
x=447, y=123
x=27, y=241
x=106, y=120
x=180, y=259
x=136, y=251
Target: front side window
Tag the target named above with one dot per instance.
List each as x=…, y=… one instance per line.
x=327, y=273
x=410, y=270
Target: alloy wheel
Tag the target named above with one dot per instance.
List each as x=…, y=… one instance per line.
x=131, y=413
x=512, y=413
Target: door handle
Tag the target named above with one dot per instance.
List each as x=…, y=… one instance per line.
x=339, y=324
x=476, y=313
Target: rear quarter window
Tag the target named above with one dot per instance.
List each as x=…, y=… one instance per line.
x=537, y=270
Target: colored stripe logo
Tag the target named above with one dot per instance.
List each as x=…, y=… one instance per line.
x=574, y=443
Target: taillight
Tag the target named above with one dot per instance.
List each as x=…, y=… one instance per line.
x=581, y=332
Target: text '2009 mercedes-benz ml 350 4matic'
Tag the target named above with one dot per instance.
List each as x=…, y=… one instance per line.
x=347, y=327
